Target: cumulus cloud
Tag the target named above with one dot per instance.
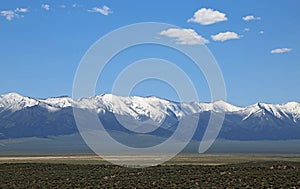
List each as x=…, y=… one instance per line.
x=251, y=17
x=280, y=50
x=184, y=36
x=105, y=10
x=11, y=14
x=46, y=6
x=225, y=36
x=206, y=16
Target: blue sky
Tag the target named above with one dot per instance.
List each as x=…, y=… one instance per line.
x=255, y=43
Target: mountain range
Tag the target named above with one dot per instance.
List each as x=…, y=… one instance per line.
x=22, y=116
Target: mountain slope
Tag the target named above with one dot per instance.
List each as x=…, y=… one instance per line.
x=22, y=116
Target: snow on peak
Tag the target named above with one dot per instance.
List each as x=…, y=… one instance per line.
x=11, y=95
x=135, y=107
x=56, y=103
x=217, y=106
x=280, y=111
x=292, y=108
x=226, y=107
x=14, y=102
x=149, y=108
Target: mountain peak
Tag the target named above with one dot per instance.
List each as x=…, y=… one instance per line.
x=150, y=106
x=14, y=101
x=226, y=106
x=12, y=95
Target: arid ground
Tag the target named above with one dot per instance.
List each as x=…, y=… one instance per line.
x=183, y=171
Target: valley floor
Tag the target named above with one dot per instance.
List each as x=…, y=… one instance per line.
x=181, y=159
x=183, y=171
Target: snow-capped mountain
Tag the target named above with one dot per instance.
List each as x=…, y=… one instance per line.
x=135, y=107
x=15, y=102
x=22, y=116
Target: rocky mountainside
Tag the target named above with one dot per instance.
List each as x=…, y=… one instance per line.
x=22, y=116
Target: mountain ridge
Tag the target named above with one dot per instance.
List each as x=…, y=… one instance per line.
x=54, y=115
x=15, y=94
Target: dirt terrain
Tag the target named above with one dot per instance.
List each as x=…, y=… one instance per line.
x=183, y=171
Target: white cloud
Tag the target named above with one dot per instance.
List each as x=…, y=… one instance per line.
x=246, y=30
x=23, y=10
x=261, y=32
x=62, y=6
x=9, y=14
x=281, y=50
x=105, y=10
x=206, y=16
x=184, y=36
x=45, y=6
x=225, y=36
x=251, y=17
